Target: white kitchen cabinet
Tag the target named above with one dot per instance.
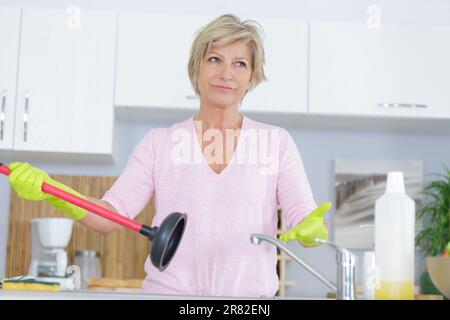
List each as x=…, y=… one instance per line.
x=66, y=82
x=9, y=53
x=398, y=71
x=286, y=48
x=152, y=59
x=153, y=53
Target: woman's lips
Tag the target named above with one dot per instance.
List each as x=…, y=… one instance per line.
x=223, y=88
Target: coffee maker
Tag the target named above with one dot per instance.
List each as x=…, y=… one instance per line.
x=49, y=261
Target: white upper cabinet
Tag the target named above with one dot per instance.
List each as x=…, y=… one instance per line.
x=399, y=71
x=153, y=53
x=152, y=60
x=286, y=48
x=66, y=82
x=9, y=52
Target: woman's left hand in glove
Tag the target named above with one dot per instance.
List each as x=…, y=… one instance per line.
x=310, y=228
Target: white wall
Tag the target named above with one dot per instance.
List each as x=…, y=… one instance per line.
x=393, y=11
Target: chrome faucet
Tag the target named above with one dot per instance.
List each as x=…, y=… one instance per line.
x=345, y=288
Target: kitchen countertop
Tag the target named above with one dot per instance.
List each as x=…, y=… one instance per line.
x=109, y=295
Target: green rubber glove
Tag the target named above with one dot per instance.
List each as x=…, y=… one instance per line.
x=310, y=228
x=27, y=181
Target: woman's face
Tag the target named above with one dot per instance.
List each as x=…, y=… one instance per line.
x=225, y=74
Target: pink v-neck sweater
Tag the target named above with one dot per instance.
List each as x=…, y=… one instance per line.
x=215, y=256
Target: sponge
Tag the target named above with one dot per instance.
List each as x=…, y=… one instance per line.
x=30, y=285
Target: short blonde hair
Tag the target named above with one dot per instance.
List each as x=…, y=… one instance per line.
x=223, y=30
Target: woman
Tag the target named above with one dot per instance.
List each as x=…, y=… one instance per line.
x=212, y=167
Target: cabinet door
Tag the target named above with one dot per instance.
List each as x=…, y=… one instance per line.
x=9, y=53
x=152, y=59
x=65, y=86
x=285, y=44
x=394, y=71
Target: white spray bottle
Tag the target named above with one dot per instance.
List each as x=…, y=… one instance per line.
x=394, y=241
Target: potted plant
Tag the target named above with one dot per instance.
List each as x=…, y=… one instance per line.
x=435, y=215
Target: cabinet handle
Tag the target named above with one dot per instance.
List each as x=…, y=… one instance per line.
x=2, y=115
x=191, y=97
x=25, y=117
x=402, y=105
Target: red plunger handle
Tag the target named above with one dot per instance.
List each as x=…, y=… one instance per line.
x=82, y=203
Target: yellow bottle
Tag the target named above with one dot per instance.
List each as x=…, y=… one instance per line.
x=395, y=291
x=394, y=241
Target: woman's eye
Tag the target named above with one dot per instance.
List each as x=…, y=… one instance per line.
x=239, y=63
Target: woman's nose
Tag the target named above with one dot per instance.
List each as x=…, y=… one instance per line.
x=226, y=78
x=226, y=73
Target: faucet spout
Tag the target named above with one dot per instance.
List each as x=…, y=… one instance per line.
x=256, y=238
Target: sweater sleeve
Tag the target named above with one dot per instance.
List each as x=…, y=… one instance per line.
x=134, y=188
x=294, y=193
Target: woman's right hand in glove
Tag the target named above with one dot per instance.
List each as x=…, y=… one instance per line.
x=27, y=181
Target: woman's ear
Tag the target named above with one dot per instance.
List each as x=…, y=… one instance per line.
x=249, y=85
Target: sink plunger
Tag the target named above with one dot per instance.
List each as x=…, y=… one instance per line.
x=166, y=237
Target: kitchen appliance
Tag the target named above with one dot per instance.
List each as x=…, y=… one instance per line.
x=49, y=262
x=166, y=237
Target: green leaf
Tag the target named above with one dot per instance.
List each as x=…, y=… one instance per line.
x=435, y=214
